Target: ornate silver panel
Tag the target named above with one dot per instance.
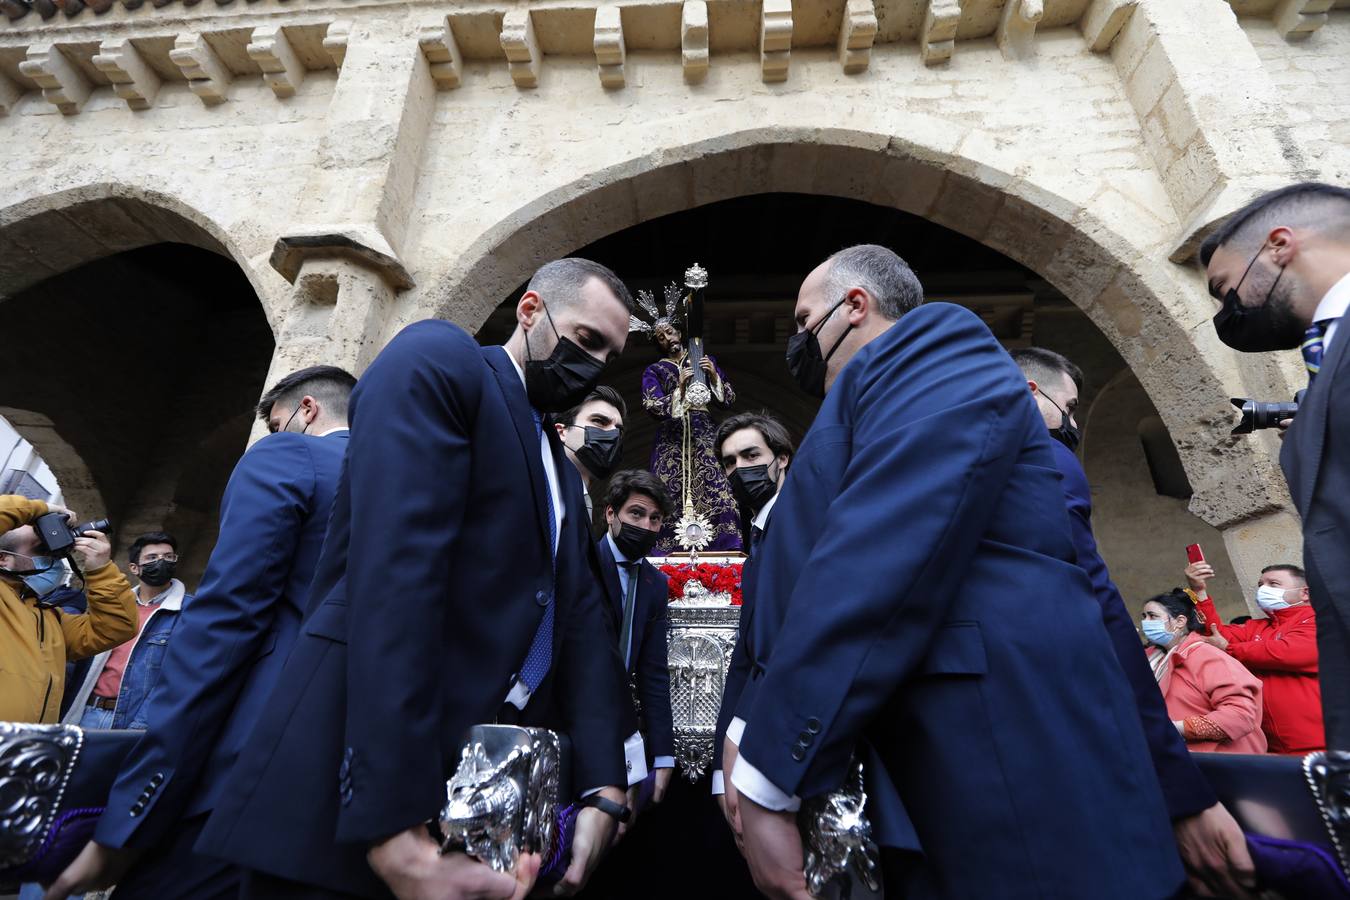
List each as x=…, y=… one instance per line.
x=503, y=798
x=35, y=765
x=699, y=652
x=1328, y=774
x=842, y=861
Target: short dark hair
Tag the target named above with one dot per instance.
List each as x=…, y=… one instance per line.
x=145, y=540
x=1178, y=603
x=775, y=435
x=1307, y=204
x=1286, y=567
x=564, y=278
x=637, y=481
x=603, y=393
x=1038, y=364
x=329, y=385
x=881, y=272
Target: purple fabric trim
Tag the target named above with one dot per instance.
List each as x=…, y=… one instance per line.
x=65, y=839
x=555, y=861
x=1297, y=868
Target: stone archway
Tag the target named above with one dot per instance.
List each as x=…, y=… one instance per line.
x=72, y=474
x=137, y=337
x=1153, y=312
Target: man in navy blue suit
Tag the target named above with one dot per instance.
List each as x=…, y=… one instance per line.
x=636, y=506
x=1210, y=840
x=903, y=609
x=226, y=654
x=455, y=588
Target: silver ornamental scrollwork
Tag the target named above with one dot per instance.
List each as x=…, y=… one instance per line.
x=841, y=860
x=503, y=798
x=35, y=765
x=699, y=654
x=1328, y=775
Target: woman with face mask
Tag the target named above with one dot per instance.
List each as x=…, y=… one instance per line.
x=1214, y=702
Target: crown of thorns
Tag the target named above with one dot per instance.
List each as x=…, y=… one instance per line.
x=646, y=302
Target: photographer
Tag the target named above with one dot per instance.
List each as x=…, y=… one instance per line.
x=37, y=639
x=1281, y=267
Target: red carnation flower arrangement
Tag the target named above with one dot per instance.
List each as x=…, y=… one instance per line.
x=718, y=578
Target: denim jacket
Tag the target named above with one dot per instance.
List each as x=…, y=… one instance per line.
x=143, y=665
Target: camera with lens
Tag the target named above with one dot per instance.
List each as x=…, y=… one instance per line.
x=1256, y=414
x=58, y=538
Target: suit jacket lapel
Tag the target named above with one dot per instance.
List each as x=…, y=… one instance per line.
x=523, y=418
x=1312, y=433
x=609, y=578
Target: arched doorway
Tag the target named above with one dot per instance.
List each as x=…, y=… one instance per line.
x=754, y=275
x=139, y=345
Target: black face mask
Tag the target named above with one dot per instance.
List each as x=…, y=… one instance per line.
x=634, y=542
x=1259, y=329
x=804, y=360
x=1067, y=433
x=564, y=379
x=601, y=452
x=752, y=487
x=157, y=573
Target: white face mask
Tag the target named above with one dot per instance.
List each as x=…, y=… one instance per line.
x=1271, y=598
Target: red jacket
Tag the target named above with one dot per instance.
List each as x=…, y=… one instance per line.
x=1282, y=652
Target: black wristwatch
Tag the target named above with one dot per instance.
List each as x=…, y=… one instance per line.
x=609, y=807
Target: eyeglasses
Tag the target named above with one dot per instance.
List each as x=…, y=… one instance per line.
x=156, y=557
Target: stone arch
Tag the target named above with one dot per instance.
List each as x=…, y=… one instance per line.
x=1151, y=310
x=76, y=482
x=52, y=233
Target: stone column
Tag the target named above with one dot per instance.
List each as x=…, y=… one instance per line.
x=1253, y=544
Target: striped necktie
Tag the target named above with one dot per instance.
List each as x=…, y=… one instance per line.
x=1312, y=347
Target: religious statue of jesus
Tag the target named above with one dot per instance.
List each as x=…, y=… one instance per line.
x=678, y=394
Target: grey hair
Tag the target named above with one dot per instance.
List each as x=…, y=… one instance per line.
x=560, y=282
x=879, y=271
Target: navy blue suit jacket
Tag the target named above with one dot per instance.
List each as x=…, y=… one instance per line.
x=233, y=636
x=1184, y=788
x=434, y=578
x=647, y=668
x=918, y=598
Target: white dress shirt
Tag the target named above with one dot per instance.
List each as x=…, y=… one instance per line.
x=1333, y=306
x=660, y=762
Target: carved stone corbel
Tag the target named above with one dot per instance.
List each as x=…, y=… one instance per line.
x=206, y=74
x=1017, y=28
x=442, y=54
x=938, y=39
x=694, y=40
x=521, y=47
x=63, y=85
x=775, y=40
x=610, y=53
x=856, y=35
x=272, y=51
x=132, y=78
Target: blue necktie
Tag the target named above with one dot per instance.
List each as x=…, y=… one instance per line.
x=1312, y=347
x=540, y=655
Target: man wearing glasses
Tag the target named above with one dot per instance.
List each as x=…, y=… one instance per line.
x=113, y=692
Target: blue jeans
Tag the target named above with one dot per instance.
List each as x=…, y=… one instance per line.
x=96, y=718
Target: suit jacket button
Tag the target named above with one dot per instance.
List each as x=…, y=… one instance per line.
x=813, y=725
x=137, y=809
x=799, y=753
x=157, y=779
x=541, y=597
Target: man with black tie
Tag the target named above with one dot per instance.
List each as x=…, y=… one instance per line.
x=755, y=451
x=225, y=658
x=900, y=609
x=454, y=590
x=1281, y=268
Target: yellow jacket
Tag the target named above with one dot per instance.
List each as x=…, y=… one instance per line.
x=35, y=643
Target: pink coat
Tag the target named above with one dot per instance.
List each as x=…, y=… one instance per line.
x=1202, y=680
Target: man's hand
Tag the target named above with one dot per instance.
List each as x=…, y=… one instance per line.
x=730, y=801
x=1218, y=863
x=661, y=784
x=1217, y=640
x=594, y=831
x=773, y=848
x=413, y=867
x=94, y=550
x=72, y=517
x=97, y=867
x=1198, y=575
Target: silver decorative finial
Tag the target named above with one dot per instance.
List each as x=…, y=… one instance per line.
x=695, y=277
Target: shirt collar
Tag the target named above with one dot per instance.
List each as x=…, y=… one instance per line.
x=333, y=431
x=515, y=365
x=762, y=517
x=1335, y=301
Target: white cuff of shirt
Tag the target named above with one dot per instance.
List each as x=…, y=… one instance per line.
x=735, y=730
x=663, y=762
x=635, y=758
x=752, y=783
x=719, y=785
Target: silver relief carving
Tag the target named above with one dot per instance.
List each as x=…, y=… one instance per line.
x=35, y=765
x=842, y=862
x=1328, y=775
x=503, y=798
x=702, y=635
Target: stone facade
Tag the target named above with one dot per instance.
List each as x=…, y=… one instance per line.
x=368, y=164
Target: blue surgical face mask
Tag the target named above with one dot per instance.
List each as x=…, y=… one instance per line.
x=1156, y=632
x=47, y=575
